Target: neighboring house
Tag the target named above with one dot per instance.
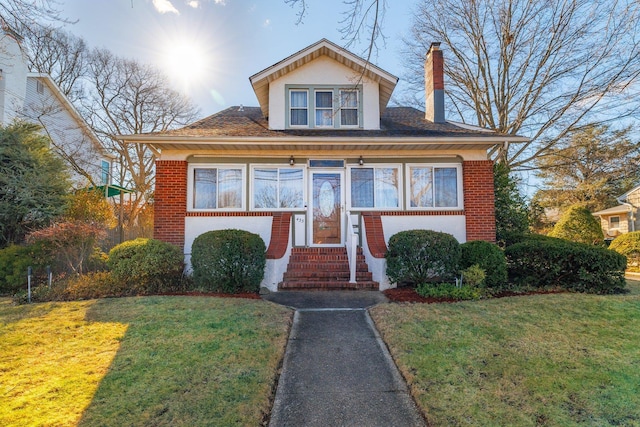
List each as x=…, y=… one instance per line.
x=323, y=156
x=35, y=97
x=623, y=218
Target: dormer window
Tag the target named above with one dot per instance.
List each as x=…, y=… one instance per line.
x=330, y=107
x=299, y=108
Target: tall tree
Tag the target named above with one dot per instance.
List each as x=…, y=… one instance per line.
x=26, y=16
x=589, y=167
x=544, y=69
x=125, y=97
x=33, y=182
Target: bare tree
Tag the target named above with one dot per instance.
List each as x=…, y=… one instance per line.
x=26, y=16
x=126, y=97
x=544, y=69
x=59, y=54
x=361, y=19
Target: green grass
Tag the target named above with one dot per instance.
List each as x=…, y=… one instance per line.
x=161, y=361
x=552, y=360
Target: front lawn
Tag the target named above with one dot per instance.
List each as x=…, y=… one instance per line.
x=161, y=361
x=553, y=360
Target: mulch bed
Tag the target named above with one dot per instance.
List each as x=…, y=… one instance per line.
x=408, y=294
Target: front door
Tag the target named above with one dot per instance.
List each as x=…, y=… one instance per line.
x=326, y=207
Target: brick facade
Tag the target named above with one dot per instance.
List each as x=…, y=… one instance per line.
x=479, y=200
x=170, y=201
x=280, y=228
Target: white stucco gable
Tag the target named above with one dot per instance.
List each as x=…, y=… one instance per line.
x=323, y=66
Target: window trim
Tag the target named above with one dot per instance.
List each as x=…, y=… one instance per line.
x=357, y=108
x=191, y=182
x=397, y=166
x=459, y=187
x=610, y=224
x=277, y=166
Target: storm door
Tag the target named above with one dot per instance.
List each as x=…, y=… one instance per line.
x=326, y=207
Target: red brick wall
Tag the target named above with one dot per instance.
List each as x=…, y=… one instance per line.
x=170, y=201
x=279, y=235
x=477, y=178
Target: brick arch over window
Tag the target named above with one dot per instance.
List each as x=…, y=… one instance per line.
x=479, y=200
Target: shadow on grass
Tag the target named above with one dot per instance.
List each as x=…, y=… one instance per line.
x=189, y=361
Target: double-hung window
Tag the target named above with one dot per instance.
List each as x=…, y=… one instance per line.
x=299, y=108
x=375, y=187
x=324, y=108
x=614, y=222
x=434, y=186
x=278, y=188
x=217, y=187
x=348, y=108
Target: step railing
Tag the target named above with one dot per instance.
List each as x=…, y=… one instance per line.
x=352, y=248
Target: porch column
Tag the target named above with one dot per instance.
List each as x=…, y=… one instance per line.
x=479, y=200
x=170, y=203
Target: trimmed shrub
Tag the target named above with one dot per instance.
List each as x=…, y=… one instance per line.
x=14, y=261
x=419, y=256
x=490, y=258
x=448, y=291
x=146, y=266
x=629, y=246
x=578, y=225
x=578, y=267
x=473, y=276
x=229, y=261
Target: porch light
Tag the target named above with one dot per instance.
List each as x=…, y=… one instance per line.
x=292, y=161
x=361, y=161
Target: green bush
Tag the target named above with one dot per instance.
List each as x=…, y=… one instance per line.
x=228, y=261
x=490, y=258
x=419, y=256
x=551, y=262
x=578, y=225
x=448, y=291
x=14, y=261
x=74, y=288
x=146, y=266
x=473, y=276
x=629, y=246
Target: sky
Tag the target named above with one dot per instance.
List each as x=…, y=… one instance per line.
x=210, y=48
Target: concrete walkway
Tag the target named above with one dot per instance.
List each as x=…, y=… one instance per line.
x=336, y=370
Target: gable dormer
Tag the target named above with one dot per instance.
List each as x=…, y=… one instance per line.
x=323, y=87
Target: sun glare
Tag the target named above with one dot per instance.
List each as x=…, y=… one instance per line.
x=185, y=62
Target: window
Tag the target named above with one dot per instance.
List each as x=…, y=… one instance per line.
x=299, y=108
x=614, y=222
x=324, y=108
x=376, y=187
x=348, y=108
x=278, y=188
x=106, y=172
x=217, y=187
x=39, y=87
x=433, y=186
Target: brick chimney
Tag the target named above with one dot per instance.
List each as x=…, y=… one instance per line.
x=434, y=84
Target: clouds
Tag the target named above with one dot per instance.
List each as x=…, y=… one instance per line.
x=166, y=6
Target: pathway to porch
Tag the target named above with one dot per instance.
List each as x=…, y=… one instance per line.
x=336, y=370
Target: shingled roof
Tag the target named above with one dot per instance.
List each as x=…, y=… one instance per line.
x=395, y=122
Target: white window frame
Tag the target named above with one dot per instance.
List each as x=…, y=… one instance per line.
x=191, y=183
x=610, y=223
x=291, y=108
x=277, y=166
x=459, y=187
x=39, y=87
x=397, y=166
x=341, y=108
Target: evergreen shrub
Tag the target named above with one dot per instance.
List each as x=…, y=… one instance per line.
x=490, y=258
x=628, y=245
x=228, y=261
x=420, y=256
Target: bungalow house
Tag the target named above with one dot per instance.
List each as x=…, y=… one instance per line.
x=324, y=171
x=623, y=218
x=36, y=98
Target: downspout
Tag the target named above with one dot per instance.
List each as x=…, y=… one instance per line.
x=633, y=220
